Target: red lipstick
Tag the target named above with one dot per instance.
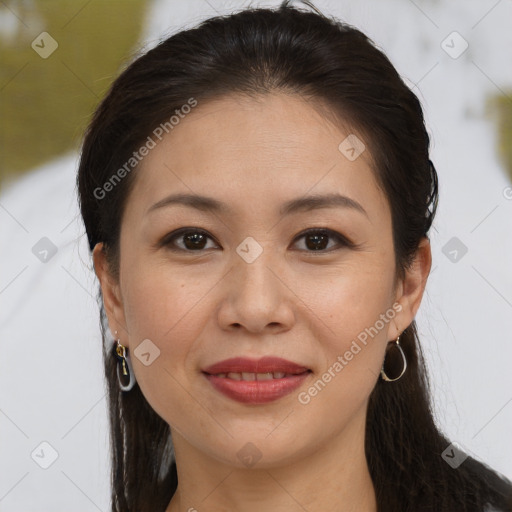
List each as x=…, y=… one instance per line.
x=256, y=381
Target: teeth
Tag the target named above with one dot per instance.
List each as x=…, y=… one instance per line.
x=247, y=376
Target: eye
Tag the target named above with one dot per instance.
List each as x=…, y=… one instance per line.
x=192, y=240
x=316, y=240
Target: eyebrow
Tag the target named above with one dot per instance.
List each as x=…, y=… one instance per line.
x=301, y=204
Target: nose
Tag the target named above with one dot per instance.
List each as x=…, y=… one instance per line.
x=256, y=297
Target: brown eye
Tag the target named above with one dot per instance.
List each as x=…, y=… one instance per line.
x=317, y=240
x=191, y=240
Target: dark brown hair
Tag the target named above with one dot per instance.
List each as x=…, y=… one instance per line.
x=295, y=51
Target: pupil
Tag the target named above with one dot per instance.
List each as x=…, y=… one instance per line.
x=316, y=241
x=195, y=240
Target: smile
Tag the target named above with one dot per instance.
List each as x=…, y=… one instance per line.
x=256, y=381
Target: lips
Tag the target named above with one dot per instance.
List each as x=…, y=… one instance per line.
x=256, y=381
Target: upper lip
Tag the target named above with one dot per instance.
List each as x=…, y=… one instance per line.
x=267, y=364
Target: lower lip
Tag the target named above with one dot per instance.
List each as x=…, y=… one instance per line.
x=256, y=391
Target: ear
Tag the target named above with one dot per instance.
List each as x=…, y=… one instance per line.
x=411, y=288
x=111, y=292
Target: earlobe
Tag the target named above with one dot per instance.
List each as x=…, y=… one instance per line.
x=109, y=290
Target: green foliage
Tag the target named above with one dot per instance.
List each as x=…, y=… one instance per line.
x=45, y=104
x=501, y=108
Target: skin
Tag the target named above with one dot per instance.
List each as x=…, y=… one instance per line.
x=303, y=305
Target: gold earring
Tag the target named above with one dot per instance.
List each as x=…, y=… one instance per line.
x=122, y=355
x=121, y=352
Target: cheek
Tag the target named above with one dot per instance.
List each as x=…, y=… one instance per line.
x=350, y=301
x=161, y=302
x=356, y=314
x=351, y=330
x=167, y=307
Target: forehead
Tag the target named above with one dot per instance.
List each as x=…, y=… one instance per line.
x=254, y=153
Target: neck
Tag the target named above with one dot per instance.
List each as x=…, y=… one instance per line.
x=334, y=477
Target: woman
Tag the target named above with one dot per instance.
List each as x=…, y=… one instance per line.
x=257, y=194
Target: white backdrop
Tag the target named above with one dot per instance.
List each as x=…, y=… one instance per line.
x=51, y=382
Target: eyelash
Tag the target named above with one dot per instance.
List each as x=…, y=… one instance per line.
x=168, y=240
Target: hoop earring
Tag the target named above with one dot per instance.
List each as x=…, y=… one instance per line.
x=127, y=377
x=394, y=359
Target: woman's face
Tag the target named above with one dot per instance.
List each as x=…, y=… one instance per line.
x=253, y=285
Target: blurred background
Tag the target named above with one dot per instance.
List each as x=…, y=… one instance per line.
x=58, y=58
